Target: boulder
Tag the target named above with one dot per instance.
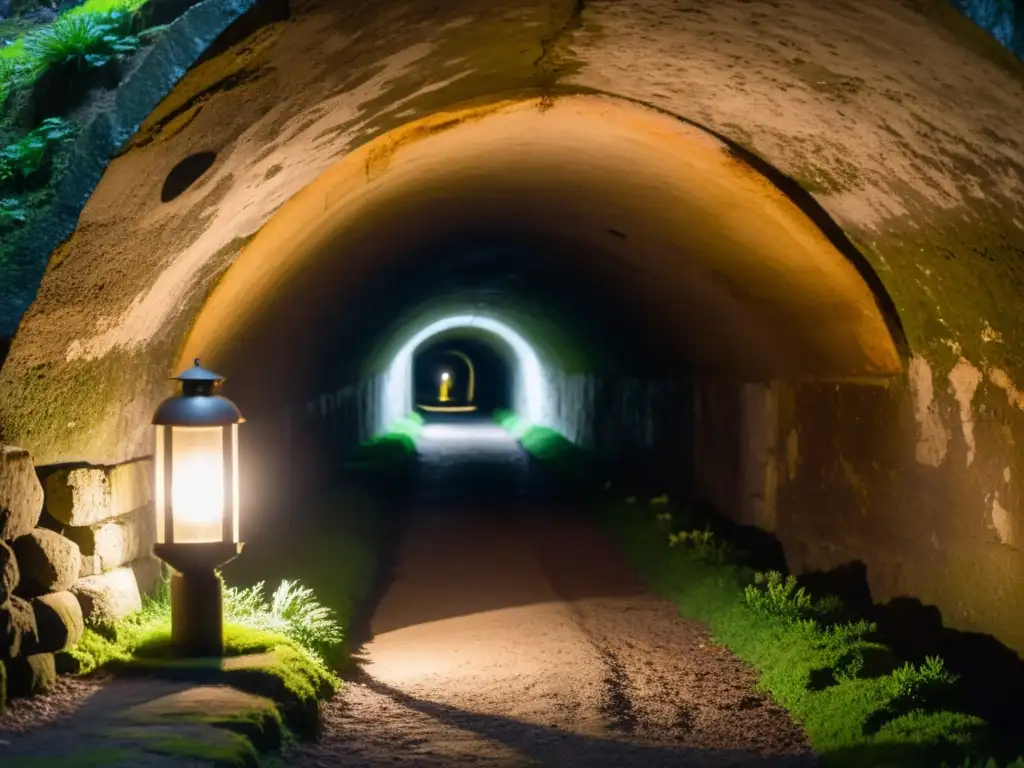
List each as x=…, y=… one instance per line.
x=17, y=627
x=91, y=566
x=149, y=574
x=9, y=573
x=29, y=675
x=48, y=562
x=59, y=623
x=119, y=540
x=21, y=495
x=85, y=496
x=109, y=596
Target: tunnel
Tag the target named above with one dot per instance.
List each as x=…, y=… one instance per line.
x=761, y=270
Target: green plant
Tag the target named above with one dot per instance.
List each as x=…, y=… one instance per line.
x=702, y=544
x=771, y=595
x=12, y=213
x=292, y=611
x=918, y=685
x=83, y=40
x=25, y=157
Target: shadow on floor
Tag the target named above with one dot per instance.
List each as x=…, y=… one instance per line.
x=554, y=747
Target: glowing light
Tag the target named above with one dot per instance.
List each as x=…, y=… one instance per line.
x=531, y=388
x=197, y=485
x=444, y=376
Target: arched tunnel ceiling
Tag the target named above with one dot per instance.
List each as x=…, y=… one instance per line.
x=904, y=125
x=741, y=282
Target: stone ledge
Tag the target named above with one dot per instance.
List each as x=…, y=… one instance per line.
x=87, y=496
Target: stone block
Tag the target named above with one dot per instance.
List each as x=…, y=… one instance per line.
x=119, y=540
x=59, y=623
x=149, y=574
x=109, y=596
x=9, y=573
x=48, y=562
x=91, y=566
x=85, y=496
x=29, y=675
x=21, y=495
x=17, y=627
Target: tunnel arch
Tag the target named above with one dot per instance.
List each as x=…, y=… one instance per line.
x=763, y=270
x=916, y=157
x=531, y=394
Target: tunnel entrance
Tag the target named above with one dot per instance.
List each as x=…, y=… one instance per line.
x=460, y=375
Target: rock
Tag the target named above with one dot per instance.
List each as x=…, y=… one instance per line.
x=9, y=573
x=59, y=623
x=149, y=574
x=18, y=629
x=21, y=495
x=85, y=496
x=90, y=566
x=3, y=686
x=119, y=540
x=109, y=596
x=48, y=562
x=29, y=675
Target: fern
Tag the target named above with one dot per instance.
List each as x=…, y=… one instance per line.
x=292, y=611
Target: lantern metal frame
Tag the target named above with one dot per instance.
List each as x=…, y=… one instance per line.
x=197, y=612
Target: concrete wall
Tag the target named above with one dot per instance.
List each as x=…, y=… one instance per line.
x=917, y=480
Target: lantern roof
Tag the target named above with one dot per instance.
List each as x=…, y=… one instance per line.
x=197, y=373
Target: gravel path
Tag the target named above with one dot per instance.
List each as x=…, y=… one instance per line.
x=514, y=634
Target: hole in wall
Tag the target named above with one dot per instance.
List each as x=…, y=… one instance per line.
x=185, y=174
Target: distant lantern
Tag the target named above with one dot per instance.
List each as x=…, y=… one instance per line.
x=196, y=501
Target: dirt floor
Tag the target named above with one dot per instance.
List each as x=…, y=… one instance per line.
x=514, y=634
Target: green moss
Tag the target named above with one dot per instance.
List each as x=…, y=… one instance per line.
x=221, y=747
x=952, y=280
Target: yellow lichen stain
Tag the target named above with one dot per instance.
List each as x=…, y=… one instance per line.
x=964, y=380
x=792, y=454
x=380, y=155
x=1002, y=380
x=932, y=434
x=1002, y=521
x=989, y=334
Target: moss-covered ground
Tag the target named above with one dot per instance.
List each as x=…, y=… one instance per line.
x=859, y=705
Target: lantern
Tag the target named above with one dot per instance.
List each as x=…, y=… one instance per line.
x=196, y=501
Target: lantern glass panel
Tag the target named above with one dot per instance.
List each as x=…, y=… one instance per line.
x=197, y=484
x=159, y=498
x=234, y=482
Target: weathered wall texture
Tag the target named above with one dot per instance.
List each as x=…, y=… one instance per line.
x=905, y=123
x=916, y=481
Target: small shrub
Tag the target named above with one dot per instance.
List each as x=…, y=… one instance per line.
x=919, y=685
x=26, y=157
x=292, y=611
x=771, y=595
x=84, y=40
x=703, y=545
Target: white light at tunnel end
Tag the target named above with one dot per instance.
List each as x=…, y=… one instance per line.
x=531, y=391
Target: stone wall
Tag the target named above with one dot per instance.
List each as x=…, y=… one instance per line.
x=75, y=550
